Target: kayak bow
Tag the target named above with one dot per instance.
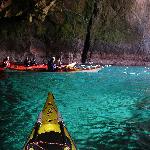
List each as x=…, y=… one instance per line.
x=49, y=132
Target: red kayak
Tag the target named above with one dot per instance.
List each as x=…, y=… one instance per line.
x=41, y=67
x=44, y=68
x=1, y=69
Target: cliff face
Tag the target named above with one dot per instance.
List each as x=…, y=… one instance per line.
x=87, y=30
x=140, y=19
x=121, y=28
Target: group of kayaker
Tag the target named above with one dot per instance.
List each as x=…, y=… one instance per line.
x=52, y=64
x=29, y=62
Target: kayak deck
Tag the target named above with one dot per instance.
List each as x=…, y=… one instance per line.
x=49, y=132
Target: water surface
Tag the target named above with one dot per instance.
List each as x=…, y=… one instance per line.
x=107, y=110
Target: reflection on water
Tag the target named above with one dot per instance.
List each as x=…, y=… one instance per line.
x=108, y=110
x=133, y=133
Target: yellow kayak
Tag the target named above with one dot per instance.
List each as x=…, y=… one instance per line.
x=49, y=132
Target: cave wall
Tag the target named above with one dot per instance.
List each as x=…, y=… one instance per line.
x=119, y=28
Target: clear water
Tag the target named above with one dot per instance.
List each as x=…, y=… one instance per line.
x=108, y=110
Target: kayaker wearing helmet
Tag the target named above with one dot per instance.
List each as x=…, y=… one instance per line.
x=6, y=62
x=51, y=64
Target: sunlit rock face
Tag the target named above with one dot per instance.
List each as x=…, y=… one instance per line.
x=123, y=23
x=121, y=29
x=118, y=29
x=140, y=17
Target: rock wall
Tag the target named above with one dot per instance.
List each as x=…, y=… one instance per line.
x=88, y=30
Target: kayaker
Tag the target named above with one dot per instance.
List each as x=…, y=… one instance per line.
x=27, y=62
x=58, y=62
x=6, y=62
x=33, y=62
x=51, y=65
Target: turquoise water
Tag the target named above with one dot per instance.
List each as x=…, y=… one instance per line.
x=108, y=110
